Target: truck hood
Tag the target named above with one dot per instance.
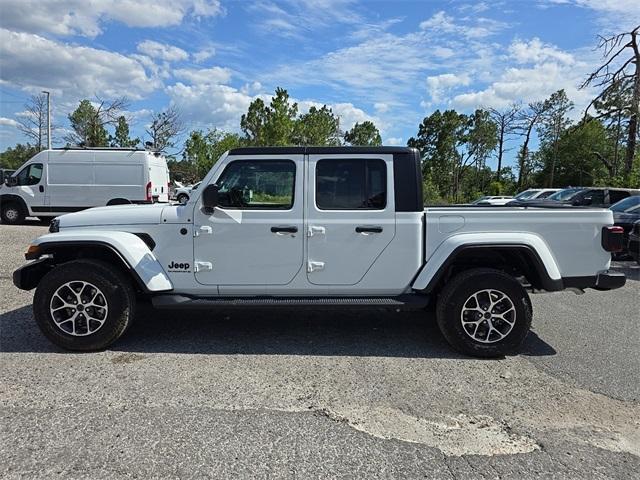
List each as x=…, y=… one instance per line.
x=114, y=215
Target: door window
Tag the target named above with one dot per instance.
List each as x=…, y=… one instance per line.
x=351, y=184
x=597, y=197
x=30, y=175
x=257, y=184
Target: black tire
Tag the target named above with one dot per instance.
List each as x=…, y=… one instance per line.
x=118, y=294
x=118, y=201
x=12, y=213
x=183, y=198
x=458, y=292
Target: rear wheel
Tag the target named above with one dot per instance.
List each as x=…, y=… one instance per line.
x=84, y=305
x=484, y=313
x=12, y=213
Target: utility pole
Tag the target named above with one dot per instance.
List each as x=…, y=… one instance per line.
x=48, y=119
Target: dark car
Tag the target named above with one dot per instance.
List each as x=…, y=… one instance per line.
x=625, y=213
x=633, y=247
x=593, y=196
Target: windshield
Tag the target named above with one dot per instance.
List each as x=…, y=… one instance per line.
x=626, y=205
x=526, y=194
x=565, y=194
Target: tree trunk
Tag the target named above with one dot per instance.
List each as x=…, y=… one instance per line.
x=635, y=107
x=500, y=151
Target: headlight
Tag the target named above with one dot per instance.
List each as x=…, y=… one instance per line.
x=54, y=226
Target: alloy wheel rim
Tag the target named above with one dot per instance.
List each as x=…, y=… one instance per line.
x=488, y=316
x=78, y=308
x=11, y=213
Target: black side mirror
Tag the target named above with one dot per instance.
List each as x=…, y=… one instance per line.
x=210, y=198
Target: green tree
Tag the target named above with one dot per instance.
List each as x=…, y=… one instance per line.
x=281, y=119
x=13, y=158
x=89, y=122
x=204, y=149
x=121, y=137
x=551, y=128
x=365, y=134
x=87, y=128
x=319, y=126
x=252, y=123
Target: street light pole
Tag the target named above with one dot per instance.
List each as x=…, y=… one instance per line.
x=48, y=119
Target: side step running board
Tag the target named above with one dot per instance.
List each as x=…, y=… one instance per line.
x=408, y=301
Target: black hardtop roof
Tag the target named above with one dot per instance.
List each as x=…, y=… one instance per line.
x=318, y=150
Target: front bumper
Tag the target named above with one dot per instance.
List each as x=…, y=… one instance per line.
x=605, y=280
x=28, y=276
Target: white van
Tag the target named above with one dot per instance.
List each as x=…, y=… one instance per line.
x=66, y=180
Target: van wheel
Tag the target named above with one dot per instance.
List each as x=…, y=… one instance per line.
x=484, y=313
x=12, y=213
x=118, y=201
x=84, y=305
x=183, y=198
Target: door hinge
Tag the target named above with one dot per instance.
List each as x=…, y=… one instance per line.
x=316, y=230
x=202, y=266
x=203, y=230
x=315, y=266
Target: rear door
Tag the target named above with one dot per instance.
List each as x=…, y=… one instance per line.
x=351, y=215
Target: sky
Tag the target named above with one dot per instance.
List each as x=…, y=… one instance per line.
x=392, y=62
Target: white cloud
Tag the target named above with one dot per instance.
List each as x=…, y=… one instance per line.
x=204, y=54
x=84, y=17
x=33, y=63
x=162, y=51
x=527, y=85
x=381, y=107
x=438, y=85
x=470, y=27
x=8, y=122
x=204, y=75
x=393, y=141
x=535, y=51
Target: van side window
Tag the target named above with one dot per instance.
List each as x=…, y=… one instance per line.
x=262, y=184
x=351, y=184
x=30, y=175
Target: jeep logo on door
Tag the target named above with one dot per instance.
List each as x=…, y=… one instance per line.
x=179, y=267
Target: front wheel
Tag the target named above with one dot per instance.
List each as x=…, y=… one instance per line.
x=84, y=305
x=183, y=198
x=484, y=313
x=12, y=214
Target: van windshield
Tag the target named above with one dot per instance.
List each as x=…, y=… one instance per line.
x=30, y=175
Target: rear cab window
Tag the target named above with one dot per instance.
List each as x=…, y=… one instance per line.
x=351, y=184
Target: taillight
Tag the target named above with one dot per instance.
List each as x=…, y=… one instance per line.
x=149, y=192
x=613, y=238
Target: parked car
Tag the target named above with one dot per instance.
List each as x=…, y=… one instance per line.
x=182, y=194
x=625, y=213
x=535, y=193
x=602, y=197
x=4, y=174
x=633, y=245
x=492, y=200
x=59, y=181
x=315, y=227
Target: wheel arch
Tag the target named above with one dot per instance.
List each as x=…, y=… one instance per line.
x=126, y=251
x=533, y=262
x=13, y=198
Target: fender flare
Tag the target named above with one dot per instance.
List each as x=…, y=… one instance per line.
x=130, y=248
x=533, y=246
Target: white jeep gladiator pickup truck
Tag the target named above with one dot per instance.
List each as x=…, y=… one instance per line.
x=318, y=227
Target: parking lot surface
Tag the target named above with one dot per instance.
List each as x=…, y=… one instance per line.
x=295, y=394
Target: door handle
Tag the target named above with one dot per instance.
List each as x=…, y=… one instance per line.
x=41, y=188
x=284, y=229
x=367, y=229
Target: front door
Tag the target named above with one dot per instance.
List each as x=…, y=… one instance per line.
x=351, y=216
x=255, y=235
x=31, y=187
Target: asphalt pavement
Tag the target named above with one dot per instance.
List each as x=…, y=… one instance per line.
x=296, y=394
